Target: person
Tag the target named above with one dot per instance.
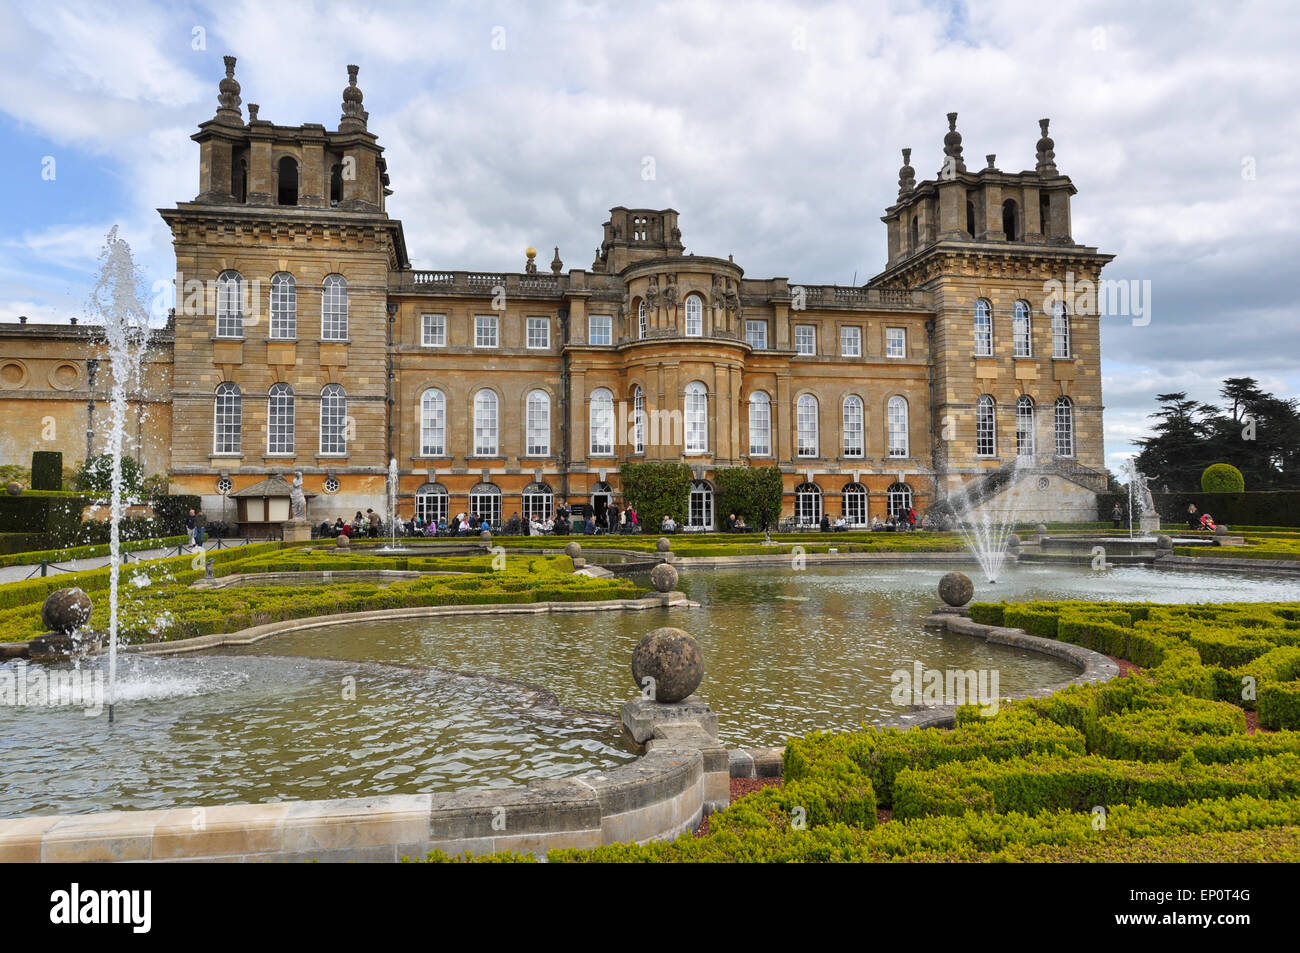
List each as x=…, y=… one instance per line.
x=1117, y=515
x=589, y=526
x=911, y=517
x=622, y=522
x=731, y=522
x=825, y=523
x=611, y=518
x=190, y=526
x=669, y=524
x=200, y=528
x=1193, y=521
x=338, y=526
x=325, y=529
x=1207, y=522
x=634, y=521
x=372, y=522
x=740, y=524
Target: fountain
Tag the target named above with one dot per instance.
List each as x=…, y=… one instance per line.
x=392, y=502
x=1139, y=495
x=986, y=528
x=117, y=298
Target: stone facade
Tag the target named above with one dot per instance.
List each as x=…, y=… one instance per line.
x=503, y=391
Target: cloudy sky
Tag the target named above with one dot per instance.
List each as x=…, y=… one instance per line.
x=774, y=128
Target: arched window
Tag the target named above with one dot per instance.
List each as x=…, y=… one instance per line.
x=806, y=426
x=230, y=311
x=983, y=328
x=538, y=501
x=1024, y=426
x=334, y=308
x=642, y=319
x=760, y=424
x=638, y=420
x=433, y=423
x=288, y=181
x=696, y=418
x=694, y=316
x=970, y=218
x=538, y=414
x=899, y=500
x=986, y=432
x=333, y=419
x=807, y=504
x=1060, y=330
x=1064, y=427
x=1022, y=330
x=279, y=419
x=336, y=184
x=485, y=423
x=284, y=306
x=485, y=503
x=600, y=418
x=700, y=514
x=853, y=426
x=1010, y=220
x=899, y=443
x=431, y=503
x=227, y=419
x=855, y=504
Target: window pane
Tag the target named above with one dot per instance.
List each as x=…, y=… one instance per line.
x=435, y=330
x=539, y=424
x=230, y=312
x=805, y=339
x=756, y=334
x=760, y=425
x=280, y=419
x=697, y=418
x=851, y=342
x=638, y=421
x=895, y=342
x=898, y=438
x=1025, y=427
x=485, y=330
x=983, y=329
x=433, y=424
x=600, y=330
x=284, y=306
x=227, y=422
x=334, y=308
x=853, y=427
x=694, y=316
x=1022, y=330
x=539, y=333
x=333, y=420
x=601, y=419
x=1060, y=331
x=985, y=429
x=806, y=421
x=485, y=424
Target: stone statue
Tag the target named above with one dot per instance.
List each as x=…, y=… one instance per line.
x=297, y=498
x=652, y=294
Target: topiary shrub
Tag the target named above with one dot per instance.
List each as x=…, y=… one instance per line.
x=1222, y=478
x=47, y=470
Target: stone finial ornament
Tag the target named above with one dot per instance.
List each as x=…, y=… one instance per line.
x=530, y=263
x=252, y=112
x=1046, y=151
x=556, y=265
x=992, y=159
x=906, y=174
x=952, y=148
x=228, y=96
x=354, y=116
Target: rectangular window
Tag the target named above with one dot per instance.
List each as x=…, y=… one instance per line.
x=805, y=339
x=485, y=330
x=539, y=334
x=851, y=342
x=433, y=330
x=756, y=335
x=600, y=330
x=895, y=342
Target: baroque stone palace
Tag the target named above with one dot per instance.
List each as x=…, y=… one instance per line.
x=303, y=340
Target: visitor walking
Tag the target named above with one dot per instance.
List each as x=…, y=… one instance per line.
x=1193, y=519
x=190, y=526
x=200, y=528
x=1117, y=515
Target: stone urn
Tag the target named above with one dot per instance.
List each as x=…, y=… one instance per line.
x=573, y=550
x=673, y=659
x=66, y=610
x=663, y=577
x=14, y=488
x=956, y=589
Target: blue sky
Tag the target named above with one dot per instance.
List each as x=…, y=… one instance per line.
x=775, y=128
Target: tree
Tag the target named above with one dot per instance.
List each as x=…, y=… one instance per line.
x=656, y=490
x=96, y=475
x=1180, y=450
x=752, y=492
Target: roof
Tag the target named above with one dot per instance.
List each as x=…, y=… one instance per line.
x=272, y=486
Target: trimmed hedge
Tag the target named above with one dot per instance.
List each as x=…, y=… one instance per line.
x=47, y=470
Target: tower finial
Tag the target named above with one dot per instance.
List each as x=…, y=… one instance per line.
x=556, y=265
x=952, y=163
x=1046, y=151
x=906, y=174
x=228, y=96
x=354, y=116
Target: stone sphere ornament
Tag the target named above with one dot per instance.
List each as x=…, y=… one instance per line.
x=673, y=659
x=1220, y=531
x=66, y=610
x=1164, y=542
x=485, y=536
x=664, y=544
x=14, y=488
x=1041, y=529
x=1013, y=542
x=663, y=577
x=956, y=589
x=341, y=541
x=573, y=550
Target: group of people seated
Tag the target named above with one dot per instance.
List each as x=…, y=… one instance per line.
x=367, y=524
